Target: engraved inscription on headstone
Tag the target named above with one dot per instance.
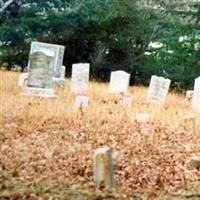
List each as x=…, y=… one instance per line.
x=158, y=89
x=40, y=70
x=80, y=77
x=119, y=81
x=196, y=95
x=56, y=51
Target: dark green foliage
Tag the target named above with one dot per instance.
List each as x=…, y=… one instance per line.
x=109, y=34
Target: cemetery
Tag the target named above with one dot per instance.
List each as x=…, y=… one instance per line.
x=154, y=149
x=98, y=116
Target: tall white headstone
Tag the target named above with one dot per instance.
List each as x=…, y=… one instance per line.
x=57, y=51
x=119, y=81
x=158, y=89
x=80, y=77
x=196, y=95
x=40, y=75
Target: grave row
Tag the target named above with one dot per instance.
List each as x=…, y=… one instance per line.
x=45, y=70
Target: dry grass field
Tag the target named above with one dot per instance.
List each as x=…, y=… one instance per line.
x=46, y=145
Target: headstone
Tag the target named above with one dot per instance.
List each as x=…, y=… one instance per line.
x=189, y=121
x=196, y=96
x=80, y=77
x=158, y=89
x=61, y=80
x=81, y=101
x=40, y=75
x=57, y=51
x=189, y=94
x=23, y=78
x=195, y=161
x=103, y=168
x=127, y=101
x=142, y=117
x=119, y=81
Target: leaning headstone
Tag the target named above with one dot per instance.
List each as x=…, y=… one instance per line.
x=80, y=77
x=23, y=78
x=103, y=168
x=40, y=75
x=196, y=96
x=119, y=81
x=57, y=51
x=158, y=89
x=81, y=101
x=189, y=94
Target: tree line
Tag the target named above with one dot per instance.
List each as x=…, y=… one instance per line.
x=109, y=34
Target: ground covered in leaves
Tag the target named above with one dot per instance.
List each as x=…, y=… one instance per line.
x=46, y=145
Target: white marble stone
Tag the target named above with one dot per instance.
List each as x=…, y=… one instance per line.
x=142, y=117
x=40, y=92
x=23, y=78
x=196, y=96
x=53, y=50
x=81, y=101
x=195, y=161
x=158, y=89
x=127, y=101
x=119, y=81
x=80, y=77
x=103, y=168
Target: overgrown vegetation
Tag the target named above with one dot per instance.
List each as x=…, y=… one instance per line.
x=46, y=146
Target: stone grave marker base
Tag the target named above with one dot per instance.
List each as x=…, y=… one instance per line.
x=41, y=92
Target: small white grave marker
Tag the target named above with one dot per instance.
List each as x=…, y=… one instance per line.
x=127, y=101
x=196, y=96
x=22, y=81
x=81, y=101
x=80, y=77
x=195, y=161
x=142, y=117
x=119, y=81
x=103, y=168
x=158, y=89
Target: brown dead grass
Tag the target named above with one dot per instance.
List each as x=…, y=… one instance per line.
x=46, y=145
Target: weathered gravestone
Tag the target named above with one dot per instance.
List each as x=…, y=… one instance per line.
x=119, y=81
x=40, y=75
x=103, y=168
x=80, y=77
x=158, y=89
x=57, y=51
x=81, y=101
x=196, y=95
